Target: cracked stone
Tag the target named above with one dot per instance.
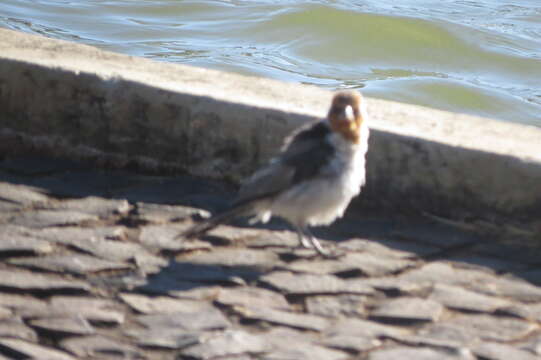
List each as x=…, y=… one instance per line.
x=395, y=285
x=99, y=346
x=313, y=284
x=35, y=282
x=256, y=297
x=110, y=249
x=408, y=309
x=368, y=264
x=74, y=263
x=532, y=344
x=443, y=273
x=68, y=325
x=388, y=248
x=74, y=235
x=351, y=342
x=228, y=343
x=295, y=320
x=333, y=306
x=404, y=352
x=162, y=304
x=187, y=271
x=92, y=205
x=161, y=237
x=47, y=218
x=363, y=329
x=15, y=328
x=206, y=319
x=167, y=213
x=272, y=239
x=25, y=350
x=496, y=351
x=21, y=194
x=459, y=298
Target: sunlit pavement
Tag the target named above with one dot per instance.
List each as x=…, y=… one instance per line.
x=91, y=269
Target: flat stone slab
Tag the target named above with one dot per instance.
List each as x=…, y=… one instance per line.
x=73, y=235
x=497, y=351
x=89, y=308
x=26, y=349
x=75, y=264
x=513, y=288
x=228, y=343
x=459, y=298
x=162, y=304
x=165, y=338
x=286, y=318
x=67, y=325
x=159, y=213
x=365, y=263
x=336, y=305
x=21, y=194
x=14, y=327
x=160, y=237
x=251, y=296
x=46, y=218
x=99, y=347
x=525, y=311
x=32, y=282
x=310, y=284
x=98, y=206
x=235, y=257
x=404, y=352
x=12, y=243
x=206, y=319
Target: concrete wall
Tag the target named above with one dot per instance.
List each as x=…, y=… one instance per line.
x=72, y=100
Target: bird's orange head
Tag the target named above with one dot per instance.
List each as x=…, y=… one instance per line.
x=346, y=115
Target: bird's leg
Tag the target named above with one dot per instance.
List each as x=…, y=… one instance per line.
x=303, y=241
x=314, y=242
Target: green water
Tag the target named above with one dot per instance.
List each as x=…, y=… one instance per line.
x=476, y=57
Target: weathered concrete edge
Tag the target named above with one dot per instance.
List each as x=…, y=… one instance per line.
x=74, y=100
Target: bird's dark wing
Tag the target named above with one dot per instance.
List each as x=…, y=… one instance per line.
x=303, y=156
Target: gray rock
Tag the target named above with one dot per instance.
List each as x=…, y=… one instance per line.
x=21, y=194
x=46, y=218
x=485, y=327
x=251, y=296
x=291, y=319
x=167, y=338
x=92, y=205
x=351, y=342
x=89, y=308
x=74, y=263
x=274, y=239
x=525, y=311
x=388, y=248
x=333, y=306
x=363, y=329
x=74, y=235
x=228, y=343
x=16, y=243
x=167, y=213
x=112, y=250
x=236, y=257
x=98, y=346
x=206, y=319
x=299, y=346
x=161, y=237
x=513, y=288
x=156, y=305
x=66, y=325
x=531, y=344
x=404, y=352
x=307, y=284
x=5, y=313
x=14, y=327
x=35, y=282
x=21, y=304
x=458, y=298
x=395, y=285
x=408, y=309
x=496, y=351
x=444, y=273
x=366, y=263
x=25, y=350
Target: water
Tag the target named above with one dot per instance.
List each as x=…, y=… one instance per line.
x=477, y=57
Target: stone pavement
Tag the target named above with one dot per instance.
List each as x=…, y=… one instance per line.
x=91, y=270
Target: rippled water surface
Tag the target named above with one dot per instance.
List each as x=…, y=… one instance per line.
x=478, y=57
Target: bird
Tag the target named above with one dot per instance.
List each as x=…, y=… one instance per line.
x=319, y=170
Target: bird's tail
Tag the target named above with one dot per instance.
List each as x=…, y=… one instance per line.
x=220, y=218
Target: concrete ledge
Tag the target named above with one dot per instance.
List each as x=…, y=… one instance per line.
x=73, y=100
